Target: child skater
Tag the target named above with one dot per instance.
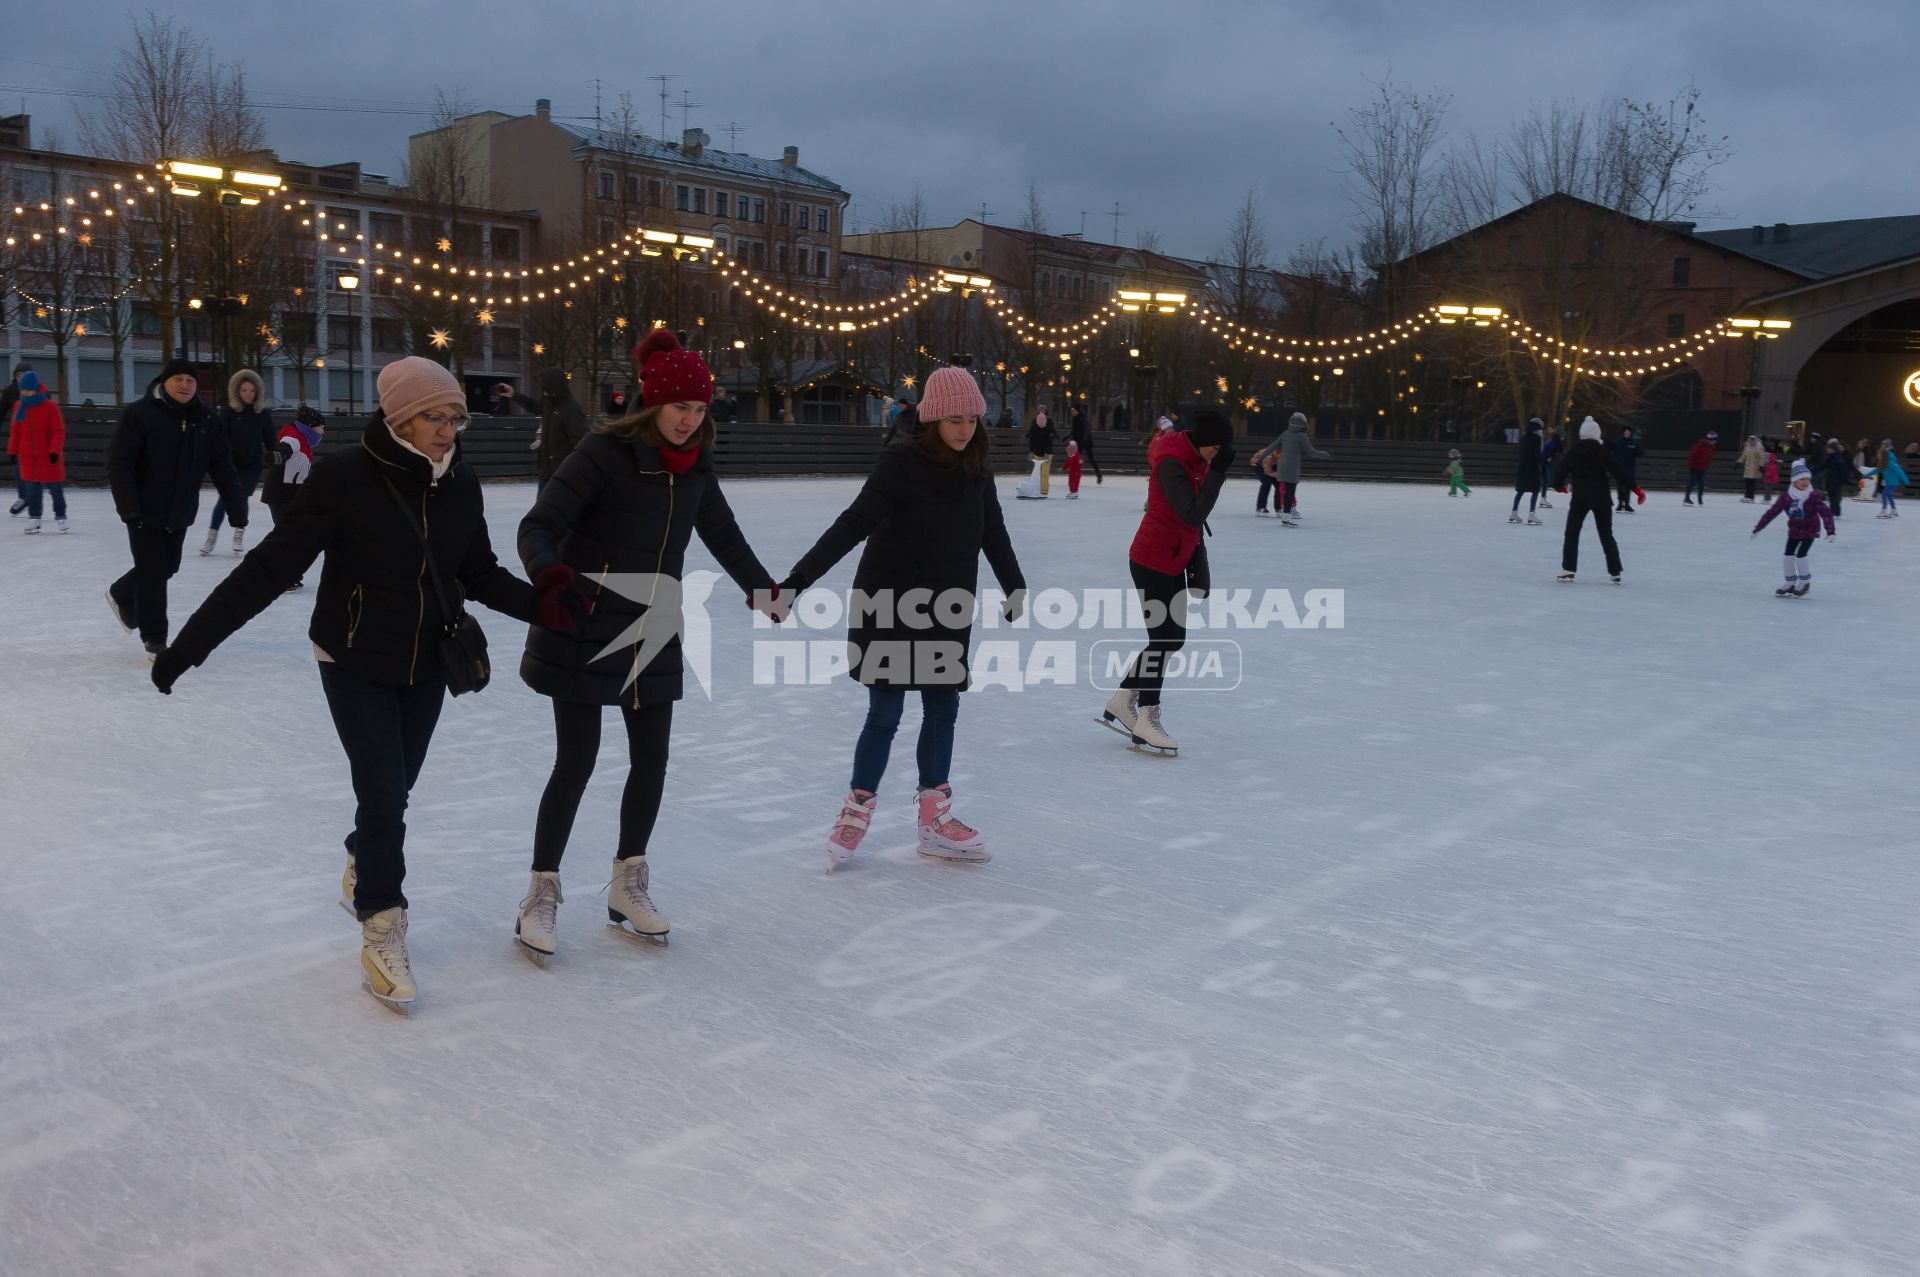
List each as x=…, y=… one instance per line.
x=1806, y=510
x=1456, y=476
x=1073, y=470
x=927, y=513
x=1892, y=479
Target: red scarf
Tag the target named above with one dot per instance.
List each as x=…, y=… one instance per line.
x=677, y=460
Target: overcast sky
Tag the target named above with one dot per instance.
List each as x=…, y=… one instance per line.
x=1171, y=109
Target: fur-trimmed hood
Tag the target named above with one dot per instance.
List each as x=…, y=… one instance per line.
x=259, y=390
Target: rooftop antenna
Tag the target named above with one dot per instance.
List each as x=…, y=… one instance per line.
x=687, y=107
x=1116, y=213
x=986, y=212
x=1083, y=223
x=663, y=99
x=596, y=104
x=734, y=130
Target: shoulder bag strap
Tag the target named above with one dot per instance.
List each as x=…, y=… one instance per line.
x=448, y=614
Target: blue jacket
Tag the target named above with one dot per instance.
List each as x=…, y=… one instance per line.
x=1627, y=450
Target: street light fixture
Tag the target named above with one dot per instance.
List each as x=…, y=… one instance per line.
x=350, y=285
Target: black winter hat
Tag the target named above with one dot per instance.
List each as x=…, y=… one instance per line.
x=175, y=367
x=1209, y=429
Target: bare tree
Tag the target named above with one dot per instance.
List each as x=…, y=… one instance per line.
x=1389, y=147
x=1148, y=239
x=1241, y=284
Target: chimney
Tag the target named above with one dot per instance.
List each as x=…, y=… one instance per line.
x=1759, y=234
x=791, y=157
x=1780, y=232
x=692, y=142
x=543, y=107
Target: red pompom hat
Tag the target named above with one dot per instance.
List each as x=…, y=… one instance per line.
x=670, y=374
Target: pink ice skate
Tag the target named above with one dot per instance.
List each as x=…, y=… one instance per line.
x=855, y=815
x=942, y=836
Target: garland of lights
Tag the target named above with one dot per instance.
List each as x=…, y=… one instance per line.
x=1088, y=328
x=106, y=304
x=775, y=302
x=1304, y=349
x=1706, y=337
x=732, y=266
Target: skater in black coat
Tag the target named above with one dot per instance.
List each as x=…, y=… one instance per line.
x=1526, y=474
x=563, y=423
x=377, y=620
x=606, y=543
x=927, y=513
x=1082, y=434
x=162, y=450
x=1626, y=452
x=1587, y=468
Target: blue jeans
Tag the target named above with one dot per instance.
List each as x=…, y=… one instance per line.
x=248, y=478
x=30, y=490
x=385, y=730
x=939, y=712
x=1697, y=479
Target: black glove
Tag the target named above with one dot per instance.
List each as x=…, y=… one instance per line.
x=53, y=458
x=167, y=668
x=1223, y=458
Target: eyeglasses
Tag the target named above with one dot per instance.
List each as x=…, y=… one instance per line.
x=440, y=422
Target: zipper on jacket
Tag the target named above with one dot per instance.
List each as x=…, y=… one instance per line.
x=658, y=559
x=419, y=584
x=593, y=605
x=356, y=607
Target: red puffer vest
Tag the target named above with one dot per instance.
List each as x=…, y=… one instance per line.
x=1164, y=543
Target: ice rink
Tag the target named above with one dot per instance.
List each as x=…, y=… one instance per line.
x=1514, y=929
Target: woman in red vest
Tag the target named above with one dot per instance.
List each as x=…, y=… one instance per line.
x=1185, y=470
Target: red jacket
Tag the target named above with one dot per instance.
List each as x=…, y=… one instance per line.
x=39, y=441
x=1165, y=541
x=1700, y=456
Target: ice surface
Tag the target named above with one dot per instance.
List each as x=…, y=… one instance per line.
x=1515, y=928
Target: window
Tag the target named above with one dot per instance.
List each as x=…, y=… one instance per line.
x=389, y=335
x=506, y=343
x=760, y=211
x=1060, y=285
x=699, y=199
x=1046, y=285
x=820, y=219
x=506, y=244
x=780, y=256
x=722, y=204
x=820, y=258
x=606, y=185
x=302, y=332
x=1677, y=324
x=806, y=218
x=786, y=213
x=466, y=239
x=147, y=324
x=343, y=221
x=759, y=254
x=1682, y=271
x=682, y=199
x=425, y=232
x=384, y=228
x=720, y=243
x=654, y=192
x=1076, y=288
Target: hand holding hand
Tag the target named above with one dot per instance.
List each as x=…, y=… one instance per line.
x=563, y=608
x=775, y=602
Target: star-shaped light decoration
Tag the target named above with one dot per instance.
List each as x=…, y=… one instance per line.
x=79, y=330
x=539, y=348
x=485, y=316
x=39, y=312
x=86, y=240
x=620, y=322
x=440, y=338
x=445, y=244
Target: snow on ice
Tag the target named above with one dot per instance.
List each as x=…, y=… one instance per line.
x=1512, y=928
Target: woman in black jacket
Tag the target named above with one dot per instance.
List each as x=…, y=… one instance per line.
x=1587, y=467
x=1526, y=473
x=250, y=435
x=377, y=621
x=926, y=513
x=605, y=543
x=161, y=451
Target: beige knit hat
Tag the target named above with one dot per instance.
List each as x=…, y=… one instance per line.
x=410, y=386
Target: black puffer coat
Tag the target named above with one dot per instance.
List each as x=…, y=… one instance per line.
x=563, y=422
x=161, y=451
x=376, y=613
x=1587, y=467
x=613, y=507
x=1526, y=473
x=925, y=525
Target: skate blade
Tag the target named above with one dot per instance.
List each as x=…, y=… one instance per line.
x=1154, y=751
x=979, y=856
x=837, y=856
x=1113, y=724
x=399, y=1006
x=538, y=956
x=626, y=928
x=348, y=906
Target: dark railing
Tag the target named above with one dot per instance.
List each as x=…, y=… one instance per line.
x=499, y=448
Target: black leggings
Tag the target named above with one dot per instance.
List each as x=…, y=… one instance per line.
x=576, y=730
x=1149, y=668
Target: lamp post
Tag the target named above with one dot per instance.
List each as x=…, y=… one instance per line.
x=231, y=188
x=1759, y=330
x=350, y=284
x=1146, y=302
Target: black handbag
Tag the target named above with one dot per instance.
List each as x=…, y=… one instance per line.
x=462, y=644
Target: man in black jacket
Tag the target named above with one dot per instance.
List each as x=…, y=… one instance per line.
x=563, y=423
x=8, y=398
x=162, y=449
x=1081, y=432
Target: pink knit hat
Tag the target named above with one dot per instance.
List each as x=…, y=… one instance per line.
x=410, y=386
x=951, y=392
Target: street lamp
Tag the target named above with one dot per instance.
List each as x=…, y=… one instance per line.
x=1760, y=330
x=350, y=284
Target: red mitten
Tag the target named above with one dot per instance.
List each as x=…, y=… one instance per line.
x=1561, y=489
x=773, y=601
x=1639, y=496
x=562, y=607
